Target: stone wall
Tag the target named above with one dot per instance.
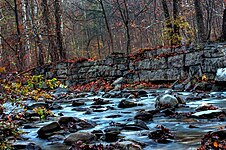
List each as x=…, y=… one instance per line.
x=163, y=64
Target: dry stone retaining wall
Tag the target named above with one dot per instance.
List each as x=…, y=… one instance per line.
x=164, y=64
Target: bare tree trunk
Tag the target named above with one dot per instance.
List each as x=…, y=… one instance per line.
x=224, y=26
x=124, y=12
x=52, y=46
x=200, y=21
x=167, y=20
x=59, y=36
x=20, y=49
x=111, y=50
x=176, y=28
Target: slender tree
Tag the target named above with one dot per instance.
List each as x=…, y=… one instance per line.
x=200, y=21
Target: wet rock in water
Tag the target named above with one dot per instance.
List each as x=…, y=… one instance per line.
x=193, y=97
x=79, y=102
x=214, y=140
x=79, y=109
x=55, y=106
x=113, y=116
x=128, y=145
x=55, y=138
x=85, y=137
x=169, y=111
x=26, y=146
x=163, y=135
x=111, y=134
x=100, y=109
x=74, y=124
x=145, y=115
x=209, y=114
x=48, y=130
x=221, y=75
x=192, y=126
x=38, y=104
x=29, y=126
x=66, y=120
x=205, y=106
x=142, y=93
x=166, y=101
x=136, y=126
x=98, y=133
x=99, y=101
x=127, y=104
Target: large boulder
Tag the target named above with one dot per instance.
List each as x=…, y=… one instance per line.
x=166, y=101
x=48, y=130
x=86, y=137
x=221, y=75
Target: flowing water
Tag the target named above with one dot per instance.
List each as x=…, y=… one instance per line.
x=185, y=138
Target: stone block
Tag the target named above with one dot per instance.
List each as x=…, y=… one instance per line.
x=61, y=66
x=214, y=53
x=119, y=60
x=143, y=64
x=176, y=61
x=195, y=71
x=211, y=64
x=162, y=51
x=194, y=58
x=159, y=63
x=173, y=74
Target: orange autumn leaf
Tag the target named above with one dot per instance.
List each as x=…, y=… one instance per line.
x=215, y=144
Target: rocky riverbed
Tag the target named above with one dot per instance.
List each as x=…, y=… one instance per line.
x=128, y=119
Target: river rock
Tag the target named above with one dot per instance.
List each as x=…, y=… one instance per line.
x=78, y=103
x=111, y=134
x=145, y=115
x=75, y=123
x=38, y=104
x=127, y=104
x=136, y=126
x=205, y=107
x=163, y=135
x=86, y=137
x=166, y=101
x=128, y=145
x=208, y=114
x=48, y=130
x=142, y=93
x=99, y=101
x=26, y=146
x=221, y=75
x=214, y=140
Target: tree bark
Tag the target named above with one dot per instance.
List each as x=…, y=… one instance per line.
x=176, y=28
x=59, y=36
x=54, y=55
x=20, y=49
x=224, y=26
x=111, y=50
x=200, y=21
